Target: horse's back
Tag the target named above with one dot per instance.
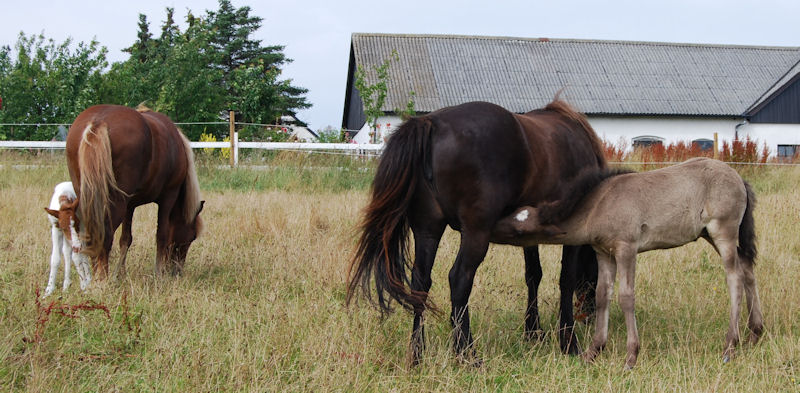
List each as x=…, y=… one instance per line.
x=480, y=159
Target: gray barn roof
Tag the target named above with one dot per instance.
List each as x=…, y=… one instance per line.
x=598, y=77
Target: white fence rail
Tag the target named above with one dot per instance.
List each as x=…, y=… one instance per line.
x=352, y=148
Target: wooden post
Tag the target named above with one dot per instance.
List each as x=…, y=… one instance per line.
x=716, y=147
x=231, y=120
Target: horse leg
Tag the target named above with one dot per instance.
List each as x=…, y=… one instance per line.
x=626, y=260
x=117, y=210
x=125, y=240
x=163, y=262
x=567, y=281
x=606, y=272
x=55, y=259
x=533, y=276
x=83, y=267
x=66, y=251
x=754, y=320
x=586, y=282
x=733, y=275
x=470, y=254
x=425, y=245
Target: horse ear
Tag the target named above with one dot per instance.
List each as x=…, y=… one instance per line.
x=52, y=212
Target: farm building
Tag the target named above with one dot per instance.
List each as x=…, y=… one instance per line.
x=632, y=92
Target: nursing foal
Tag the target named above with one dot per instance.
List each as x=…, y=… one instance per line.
x=65, y=227
x=622, y=214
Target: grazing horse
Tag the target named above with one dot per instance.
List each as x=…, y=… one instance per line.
x=120, y=158
x=468, y=166
x=64, y=228
x=626, y=214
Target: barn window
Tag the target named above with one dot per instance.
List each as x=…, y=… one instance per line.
x=788, y=151
x=703, y=144
x=647, y=141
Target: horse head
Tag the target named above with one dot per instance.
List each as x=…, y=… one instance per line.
x=183, y=234
x=524, y=225
x=68, y=221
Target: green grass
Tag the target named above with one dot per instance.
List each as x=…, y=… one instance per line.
x=261, y=304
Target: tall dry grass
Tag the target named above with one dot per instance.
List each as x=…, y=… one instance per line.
x=260, y=306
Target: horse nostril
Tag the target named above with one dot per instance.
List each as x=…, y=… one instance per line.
x=76, y=249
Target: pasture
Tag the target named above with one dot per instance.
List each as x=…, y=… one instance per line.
x=260, y=306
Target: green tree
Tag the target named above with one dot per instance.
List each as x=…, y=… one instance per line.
x=48, y=82
x=251, y=71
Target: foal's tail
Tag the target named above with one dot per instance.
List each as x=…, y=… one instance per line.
x=747, y=229
x=382, y=250
x=97, y=182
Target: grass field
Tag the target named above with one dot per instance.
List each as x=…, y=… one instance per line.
x=261, y=304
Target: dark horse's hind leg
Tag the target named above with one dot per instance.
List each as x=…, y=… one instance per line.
x=470, y=254
x=533, y=276
x=426, y=242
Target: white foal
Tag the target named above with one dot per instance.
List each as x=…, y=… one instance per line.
x=66, y=241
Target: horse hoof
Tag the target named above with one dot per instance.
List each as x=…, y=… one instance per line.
x=628, y=367
x=726, y=359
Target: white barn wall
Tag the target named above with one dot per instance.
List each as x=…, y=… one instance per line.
x=673, y=130
x=774, y=134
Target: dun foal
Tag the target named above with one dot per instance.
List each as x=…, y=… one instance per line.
x=622, y=214
x=65, y=227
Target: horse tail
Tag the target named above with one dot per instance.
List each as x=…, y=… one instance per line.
x=382, y=250
x=566, y=110
x=747, y=229
x=97, y=182
x=191, y=186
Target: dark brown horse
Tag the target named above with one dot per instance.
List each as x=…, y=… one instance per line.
x=120, y=158
x=468, y=166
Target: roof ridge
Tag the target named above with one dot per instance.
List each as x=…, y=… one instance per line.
x=578, y=40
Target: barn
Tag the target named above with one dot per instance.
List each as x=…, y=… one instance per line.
x=632, y=92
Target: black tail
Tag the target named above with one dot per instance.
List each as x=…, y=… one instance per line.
x=382, y=250
x=747, y=229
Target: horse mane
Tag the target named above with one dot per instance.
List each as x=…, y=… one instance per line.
x=564, y=109
x=142, y=108
x=191, y=191
x=574, y=192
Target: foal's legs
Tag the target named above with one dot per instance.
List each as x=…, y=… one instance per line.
x=474, y=245
x=533, y=276
x=626, y=261
x=754, y=320
x=55, y=259
x=733, y=274
x=66, y=251
x=125, y=240
x=606, y=272
x=426, y=242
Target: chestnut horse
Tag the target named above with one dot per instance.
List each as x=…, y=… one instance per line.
x=120, y=158
x=468, y=166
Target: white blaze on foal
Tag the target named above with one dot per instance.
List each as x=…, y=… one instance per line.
x=66, y=241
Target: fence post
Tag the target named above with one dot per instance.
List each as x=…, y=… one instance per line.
x=232, y=121
x=716, y=147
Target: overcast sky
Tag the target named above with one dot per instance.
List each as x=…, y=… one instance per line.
x=316, y=33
